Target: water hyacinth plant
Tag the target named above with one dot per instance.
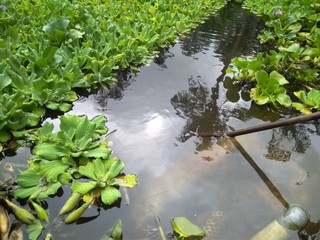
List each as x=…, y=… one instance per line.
x=292, y=34
x=75, y=151
x=76, y=154
x=53, y=47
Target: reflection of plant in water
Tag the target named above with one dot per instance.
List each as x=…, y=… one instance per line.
x=275, y=150
x=297, y=134
x=192, y=104
x=235, y=27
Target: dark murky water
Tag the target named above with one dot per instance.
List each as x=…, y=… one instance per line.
x=207, y=180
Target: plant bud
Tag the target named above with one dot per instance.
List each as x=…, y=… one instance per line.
x=48, y=236
x=41, y=212
x=71, y=203
x=75, y=215
x=21, y=213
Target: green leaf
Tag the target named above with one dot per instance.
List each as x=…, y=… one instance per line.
x=84, y=129
x=60, y=24
x=75, y=33
x=115, y=232
x=100, y=122
x=28, y=178
x=99, y=168
x=301, y=107
x=284, y=100
x=261, y=100
x=314, y=95
x=64, y=178
x=51, y=170
x=115, y=169
x=262, y=77
x=295, y=47
x=63, y=107
x=34, y=230
x=5, y=81
x=110, y=195
x=88, y=171
x=185, y=228
x=4, y=135
x=295, y=27
x=277, y=76
x=49, y=151
x=51, y=190
x=99, y=152
x=83, y=187
x=24, y=192
x=69, y=121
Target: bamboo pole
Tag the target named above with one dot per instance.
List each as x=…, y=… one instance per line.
x=262, y=127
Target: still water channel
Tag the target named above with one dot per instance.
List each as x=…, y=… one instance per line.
x=230, y=192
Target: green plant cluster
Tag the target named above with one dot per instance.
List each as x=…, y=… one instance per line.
x=75, y=154
x=50, y=47
x=293, y=34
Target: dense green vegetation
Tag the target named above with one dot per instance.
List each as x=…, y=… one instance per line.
x=48, y=49
x=288, y=73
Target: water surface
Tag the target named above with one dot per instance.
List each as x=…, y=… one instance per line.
x=207, y=180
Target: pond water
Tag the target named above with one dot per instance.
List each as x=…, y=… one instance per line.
x=230, y=190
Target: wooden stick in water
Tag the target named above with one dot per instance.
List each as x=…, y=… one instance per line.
x=262, y=127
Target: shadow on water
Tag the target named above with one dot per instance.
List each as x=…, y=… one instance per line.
x=232, y=189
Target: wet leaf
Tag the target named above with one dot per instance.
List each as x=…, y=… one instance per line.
x=34, y=230
x=51, y=170
x=115, y=169
x=49, y=151
x=185, y=228
x=99, y=168
x=85, y=129
x=100, y=152
x=284, y=100
x=88, y=171
x=5, y=81
x=110, y=195
x=277, y=76
x=115, y=232
x=28, y=178
x=60, y=24
x=83, y=187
